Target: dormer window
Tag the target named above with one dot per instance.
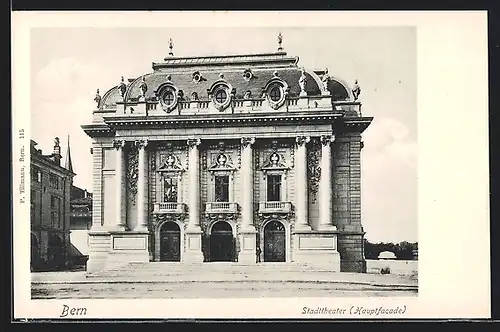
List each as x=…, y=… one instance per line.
x=275, y=92
x=168, y=96
x=221, y=96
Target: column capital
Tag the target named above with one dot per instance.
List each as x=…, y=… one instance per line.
x=301, y=140
x=246, y=141
x=191, y=142
x=141, y=144
x=119, y=143
x=327, y=139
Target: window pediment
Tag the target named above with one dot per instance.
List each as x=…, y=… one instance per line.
x=274, y=162
x=222, y=163
x=170, y=164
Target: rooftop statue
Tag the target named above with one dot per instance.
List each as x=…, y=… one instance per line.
x=143, y=87
x=97, y=98
x=280, y=40
x=302, y=82
x=325, y=79
x=122, y=87
x=171, y=47
x=356, y=90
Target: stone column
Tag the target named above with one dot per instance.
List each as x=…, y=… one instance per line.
x=119, y=190
x=193, y=251
x=301, y=203
x=247, y=233
x=141, y=224
x=325, y=185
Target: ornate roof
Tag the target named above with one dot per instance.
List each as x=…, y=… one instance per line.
x=245, y=73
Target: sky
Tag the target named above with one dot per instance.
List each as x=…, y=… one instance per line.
x=68, y=64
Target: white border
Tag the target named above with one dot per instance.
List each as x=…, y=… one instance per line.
x=453, y=169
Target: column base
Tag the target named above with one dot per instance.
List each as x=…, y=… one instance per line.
x=327, y=228
x=192, y=252
x=302, y=228
x=248, y=249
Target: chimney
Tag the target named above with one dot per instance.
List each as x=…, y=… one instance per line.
x=57, y=151
x=85, y=193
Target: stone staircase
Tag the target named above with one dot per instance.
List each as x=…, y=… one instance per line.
x=234, y=273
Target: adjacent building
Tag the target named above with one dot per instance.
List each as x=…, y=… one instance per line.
x=50, y=205
x=80, y=223
x=226, y=158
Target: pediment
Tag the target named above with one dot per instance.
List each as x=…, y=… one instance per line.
x=222, y=162
x=170, y=164
x=274, y=161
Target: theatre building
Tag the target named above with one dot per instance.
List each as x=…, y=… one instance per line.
x=219, y=158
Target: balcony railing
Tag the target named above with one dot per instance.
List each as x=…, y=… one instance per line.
x=221, y=207
x=275, y=207
x=170, y=208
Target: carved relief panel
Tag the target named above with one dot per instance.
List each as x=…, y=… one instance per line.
x=313, y=168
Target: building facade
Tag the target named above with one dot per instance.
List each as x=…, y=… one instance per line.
x=234, y=158
x=80, y=224
x=50, y=204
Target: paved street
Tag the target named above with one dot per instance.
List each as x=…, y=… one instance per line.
x=171, y=280
x=212, y=290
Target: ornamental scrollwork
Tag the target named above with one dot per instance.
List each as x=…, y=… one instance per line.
x=313, y=168
x=132, y=174
x=159, y=218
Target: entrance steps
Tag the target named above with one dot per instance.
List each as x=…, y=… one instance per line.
x=210, y=271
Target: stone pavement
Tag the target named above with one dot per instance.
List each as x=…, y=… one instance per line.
x=174, y=280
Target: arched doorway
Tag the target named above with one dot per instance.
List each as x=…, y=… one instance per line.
x=221, y=242
x=55, y=252
x=34, y=251
x=274, y=242
x=170, y=242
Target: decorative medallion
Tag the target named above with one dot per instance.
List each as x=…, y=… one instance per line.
x=197, y=77
x=248, y=74
x=313, y=168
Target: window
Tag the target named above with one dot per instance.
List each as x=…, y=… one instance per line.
x=56, y=212
x=33, y=200
x=36, y=174
x=274, y=188
x=170, y=189
x=221, y=96
x=54, y=218
x=222, y=188
x=168, y=98
x=275, y=94
x=54, y=181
